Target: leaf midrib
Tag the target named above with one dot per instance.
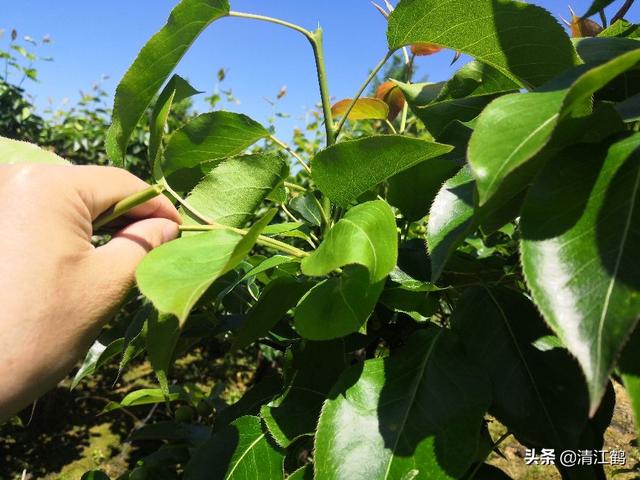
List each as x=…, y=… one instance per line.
x=244, y=454
x=526, y=365
x=605, y=308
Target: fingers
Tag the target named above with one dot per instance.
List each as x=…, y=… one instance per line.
x=102, y=187
x=115, y=263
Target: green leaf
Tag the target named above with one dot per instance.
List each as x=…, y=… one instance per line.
x=303, y=473
x=451, y=219
x=146, y=396
x=163, y=333
x=134, y=336
x=416, y=414
x=621, y=28
x=337, y=306
x=176, y=90
x=413, y=190
x=308, y=207
x=514, y=129
x=316, y=366
x=345, y=171
x=602, y=49
x=364, y=109
x=580, y=260
x=234, y=189
x=14, y=152
x=596, y=6
x=268, y=264
x=366, y=236
x=278, y=297
x=461, y=99
x=210, y=137
x=98, y=355
x=524, y=42
x=152, y=68
x=239, y=451
x=500, y=327
x=175, y=275
x=476, y=79
x=418, y=305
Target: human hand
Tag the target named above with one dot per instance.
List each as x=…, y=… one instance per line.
x=56, y=289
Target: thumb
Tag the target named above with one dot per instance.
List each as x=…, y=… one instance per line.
x=115, y=263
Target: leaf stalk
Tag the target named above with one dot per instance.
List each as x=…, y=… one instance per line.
x=127, y=204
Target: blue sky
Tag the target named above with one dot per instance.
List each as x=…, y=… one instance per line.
x=94, y=38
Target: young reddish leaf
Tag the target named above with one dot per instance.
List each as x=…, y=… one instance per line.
x=364, y=109
x=390, y=93
x=425, y=49
x=582, y=27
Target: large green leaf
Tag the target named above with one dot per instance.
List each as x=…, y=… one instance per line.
x=17, y=152
x=580, y=260
x=175, y=275
x=210, y=137
x=345, y=171
x=315, y=367
x=154, y=64
x=277, y=298
x=501, y=327
x=451, y=219
x=176, y=90
x=514, y=129
x=417, y=414
x=476, y=79
x=240, y=451
x=366, y=236
x=522, y=41
x=232, y=191
x=308, y=207
x=438, y=115
x=337, y=306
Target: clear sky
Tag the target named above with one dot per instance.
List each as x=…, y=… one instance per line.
x=93, y=38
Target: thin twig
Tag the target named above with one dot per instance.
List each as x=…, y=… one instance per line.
x=286, y=211
x=371, y=76
x=391, y=127
x=294, y=154
x=294, y=186
x=622, y=12
x=603, y=18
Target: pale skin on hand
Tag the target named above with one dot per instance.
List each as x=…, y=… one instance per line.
x=56, y=289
